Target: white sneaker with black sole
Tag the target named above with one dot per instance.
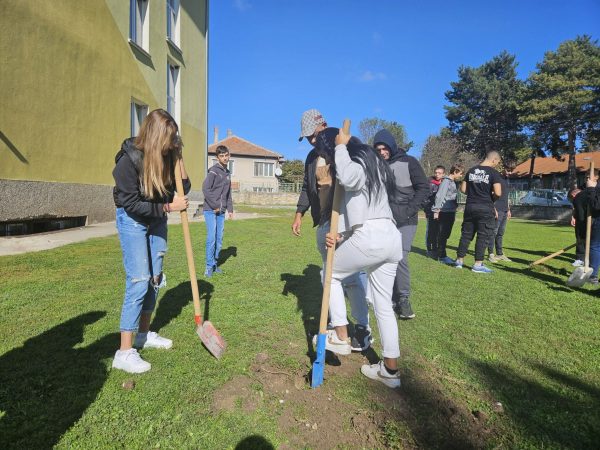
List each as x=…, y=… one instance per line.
x=151, y=340
x=130, y=361
x=335, y=344
x=379, y=373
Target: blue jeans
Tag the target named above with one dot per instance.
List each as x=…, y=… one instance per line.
x=144, y=247
x=215, y=223
x=595, y=246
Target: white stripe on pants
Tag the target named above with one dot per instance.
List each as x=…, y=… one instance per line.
x=376, y=248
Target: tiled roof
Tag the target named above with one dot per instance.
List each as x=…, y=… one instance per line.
x=549, y=165
x=241, y=147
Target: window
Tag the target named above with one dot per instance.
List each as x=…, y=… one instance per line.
x=173, y=106
x=229, y=166
x=139, y=32
x=262, y=189
x=263, y=169
x=173, y=27
x=138, y=112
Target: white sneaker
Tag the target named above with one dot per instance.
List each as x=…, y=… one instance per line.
x=378, y=372
x=578, y=263
x=335, y=344
x=151, y=340
x=130, y=361
x=493, y=258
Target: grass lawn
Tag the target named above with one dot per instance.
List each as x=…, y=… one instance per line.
x=518, y=336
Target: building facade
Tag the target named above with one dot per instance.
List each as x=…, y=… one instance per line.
x=253, y=168
x=77, y=78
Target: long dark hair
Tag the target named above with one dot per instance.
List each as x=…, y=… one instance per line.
x=378, y=172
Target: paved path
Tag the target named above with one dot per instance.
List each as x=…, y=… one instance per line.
x=45, y=241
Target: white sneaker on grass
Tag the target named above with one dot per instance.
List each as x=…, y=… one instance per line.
x=493, y=258
x=379, y=373
x=578, y=263
x=503, y=258
x=335, y=344
x=130, y=361
x=151, y=340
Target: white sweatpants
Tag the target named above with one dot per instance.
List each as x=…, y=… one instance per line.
x=376, y=248
x=354, y=285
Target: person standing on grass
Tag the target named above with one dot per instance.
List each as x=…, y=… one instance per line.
x=482, y=184
x=578, y=218
x=144, y=193
x=502, y=217
x=592, y=192
x=444, y=211
x=432, y=230
x=316, y=195
x=412, y=189
x=217, y=201
x=367, y=240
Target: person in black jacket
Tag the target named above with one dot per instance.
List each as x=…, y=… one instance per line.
x=579, y=199
x=144, y=189
x=317, y=195
x=412, y=190
x=592, y=195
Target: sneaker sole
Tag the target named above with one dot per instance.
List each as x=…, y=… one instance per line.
x=145, y=347
x=479, y=271
x=141, y=370
x=338, y=349
x=407, y=317
x=392, y=384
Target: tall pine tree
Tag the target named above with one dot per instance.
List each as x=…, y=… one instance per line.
x=562, y=106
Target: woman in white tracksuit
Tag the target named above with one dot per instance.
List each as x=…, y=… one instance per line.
x=369, y=241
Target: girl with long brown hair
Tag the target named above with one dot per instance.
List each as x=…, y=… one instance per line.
x=144, y=193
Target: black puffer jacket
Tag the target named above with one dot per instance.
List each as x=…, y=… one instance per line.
x=412, y=187
x=128, y=193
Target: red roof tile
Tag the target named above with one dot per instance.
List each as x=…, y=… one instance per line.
x=241, y=147
x=549, y=165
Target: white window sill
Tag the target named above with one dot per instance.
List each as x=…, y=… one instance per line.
x=174, y=46
x=139, y=48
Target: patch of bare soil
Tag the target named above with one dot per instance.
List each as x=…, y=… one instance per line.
x=414, y=416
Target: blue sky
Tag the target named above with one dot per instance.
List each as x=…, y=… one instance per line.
x=271, y=60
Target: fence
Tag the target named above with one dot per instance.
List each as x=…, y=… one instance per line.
x=514, y=197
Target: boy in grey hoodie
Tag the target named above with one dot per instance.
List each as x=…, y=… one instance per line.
x=444, y=211
x=412, y=190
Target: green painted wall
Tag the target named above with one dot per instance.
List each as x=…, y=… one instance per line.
x=68, y=75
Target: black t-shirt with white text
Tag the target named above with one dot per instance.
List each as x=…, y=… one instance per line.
x=480, y=181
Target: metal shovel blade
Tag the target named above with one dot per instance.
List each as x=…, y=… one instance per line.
x=211, y=339
x=318, y=368
x=579, y=276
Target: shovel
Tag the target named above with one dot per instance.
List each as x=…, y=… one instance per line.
x=582, y=274
x=318, y=368
x=207, y=333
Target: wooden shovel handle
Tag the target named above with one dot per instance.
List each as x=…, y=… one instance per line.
x=553, y=255
x=188, y=244
x=338, y=193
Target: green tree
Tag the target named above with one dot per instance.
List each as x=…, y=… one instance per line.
x=368, y=128
x=445, y=149
x=484, y=107
x=292, y=171
x=562, y=103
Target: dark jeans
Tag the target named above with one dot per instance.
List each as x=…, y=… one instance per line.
x=480, y=220
x=498, y=233
x=402, y=281
x=433, y=231
x=580, y=240
x=445, y=224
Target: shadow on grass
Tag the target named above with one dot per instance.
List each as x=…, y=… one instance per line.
x=225, y=254
x=177, y=298
x=562, y=411
x=568, y=256
x=254, y=442
x=554, y=277
x=48, y=383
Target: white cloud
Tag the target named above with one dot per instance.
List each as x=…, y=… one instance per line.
x=369, y=76
x=242, y=5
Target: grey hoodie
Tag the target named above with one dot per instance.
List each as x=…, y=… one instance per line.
x=445, y=199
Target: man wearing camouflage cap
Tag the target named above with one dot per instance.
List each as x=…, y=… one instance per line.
x=317, y=195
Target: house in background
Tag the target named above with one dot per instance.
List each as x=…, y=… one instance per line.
x=253, y=168
x=78, y=77
x=552, y=173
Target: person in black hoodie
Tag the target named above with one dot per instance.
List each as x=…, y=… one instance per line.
x=317, y=195
x=144, y=190
x=592, y=196
x=412, y=190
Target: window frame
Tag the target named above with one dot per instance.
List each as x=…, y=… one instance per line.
x=139, y=24
x=135, y=118
x=174, y=91
x=269, y=166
